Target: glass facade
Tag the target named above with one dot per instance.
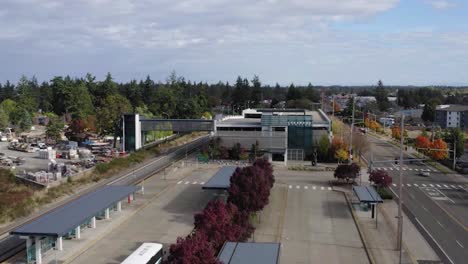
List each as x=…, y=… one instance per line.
x=129, y=132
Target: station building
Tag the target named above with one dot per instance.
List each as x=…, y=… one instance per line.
x=284, y=134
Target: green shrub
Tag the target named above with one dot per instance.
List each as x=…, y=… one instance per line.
x=384, y=193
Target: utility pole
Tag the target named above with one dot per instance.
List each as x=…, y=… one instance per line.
x=454, y=153
x=400, y=191
x=351, y=136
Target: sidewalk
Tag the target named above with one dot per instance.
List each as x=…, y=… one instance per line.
x=381, y=240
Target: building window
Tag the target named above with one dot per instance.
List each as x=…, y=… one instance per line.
x=450, y=124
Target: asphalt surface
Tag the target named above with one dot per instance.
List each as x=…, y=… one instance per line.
x=436, y=204
x=10, y=245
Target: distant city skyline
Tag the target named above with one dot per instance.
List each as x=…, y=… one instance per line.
x=324, y=42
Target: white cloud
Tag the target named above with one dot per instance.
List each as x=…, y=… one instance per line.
x=442, y=4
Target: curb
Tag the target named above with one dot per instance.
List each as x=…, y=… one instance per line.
x=405, y=247
x=356, y=223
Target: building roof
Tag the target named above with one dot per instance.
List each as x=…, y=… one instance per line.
x=452, y=108
x=221, y=180
x=367, y=194
x=64, y=219
x=242, y=253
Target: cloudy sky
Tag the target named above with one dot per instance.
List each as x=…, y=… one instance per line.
x=417, y=42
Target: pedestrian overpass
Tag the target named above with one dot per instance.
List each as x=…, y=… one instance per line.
x=139, y=131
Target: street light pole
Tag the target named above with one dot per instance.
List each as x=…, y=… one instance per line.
x=351, y=136
x=400, y=192
x=454, y=153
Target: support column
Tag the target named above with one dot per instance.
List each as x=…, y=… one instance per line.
x=59, y=243
x=38, y=250
x=107, y=213
x=119, y=206
x=28, y=242
x=93, y=222
x=78, y=232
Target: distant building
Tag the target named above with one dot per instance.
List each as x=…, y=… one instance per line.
x=452, y=116
x=285, y=134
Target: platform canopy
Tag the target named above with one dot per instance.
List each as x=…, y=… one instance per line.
x=67, y=217
x=367, y=194
x=241, y=253
x=221, y=180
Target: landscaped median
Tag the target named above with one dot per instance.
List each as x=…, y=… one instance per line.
x=221, y=221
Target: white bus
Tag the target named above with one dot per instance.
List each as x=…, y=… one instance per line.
x=147, y=253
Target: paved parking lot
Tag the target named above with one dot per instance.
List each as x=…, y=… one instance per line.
x=315, y=224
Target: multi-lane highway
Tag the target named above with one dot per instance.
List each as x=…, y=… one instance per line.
x=436, y=203
x=10, y=245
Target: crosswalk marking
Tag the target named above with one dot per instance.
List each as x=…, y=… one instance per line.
x=438, y=185
x=404, y=169
x=424, y=185
x=305, y=187
x=416, y=169
x=290, y=186
x=415, y=185
x=313, y=187
x=298, y=187
x=445, y=185
x=453, y=186
x=394, y=185
x=391, y=169
x=202, y=183
x=179, y=182
x=194, y=182
x=460, y=186
x=409, y=185
x=432, y=185
x=187, y=182
x=329, y=188
x=385, y=168
x=322, y=188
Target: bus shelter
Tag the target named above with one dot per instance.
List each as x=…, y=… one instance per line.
x=249, y=252
x=369, y=196
x=47, y=231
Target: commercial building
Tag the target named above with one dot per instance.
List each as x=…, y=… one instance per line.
x=284, y=134
x=447, y=116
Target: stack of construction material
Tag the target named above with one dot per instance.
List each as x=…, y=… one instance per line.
x=48, y=153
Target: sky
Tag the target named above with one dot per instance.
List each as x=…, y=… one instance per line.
x=324, y=42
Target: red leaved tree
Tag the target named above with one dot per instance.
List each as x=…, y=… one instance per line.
x=380, y=178
x=249, y=189
x=222, y=222
x=194, y=249
x=423, y=142
x=347, y=172
x=264, y=165
x=442, y=149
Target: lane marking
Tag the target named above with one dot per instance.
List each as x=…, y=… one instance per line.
x=460, y=244
x=445, y=195
x=425, y=209
x=440, y=224
x=179, y=182
x=441, y=249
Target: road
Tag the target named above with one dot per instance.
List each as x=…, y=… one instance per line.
x=437, y=204
x=10, y=245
